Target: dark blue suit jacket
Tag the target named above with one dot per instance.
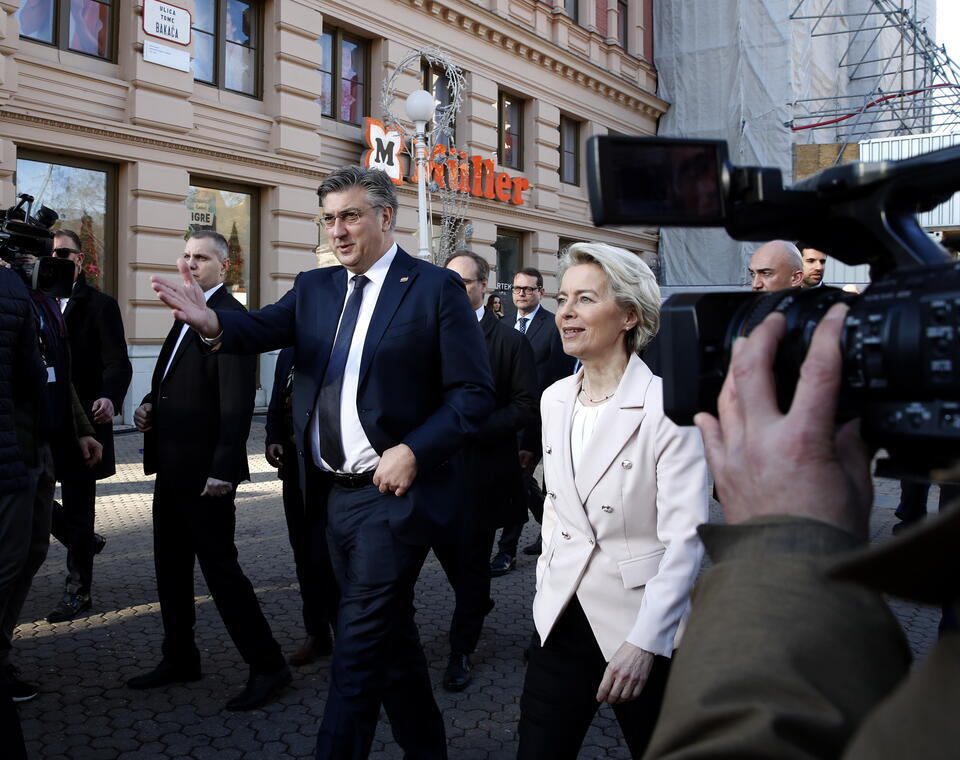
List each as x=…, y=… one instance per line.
x=424, y=375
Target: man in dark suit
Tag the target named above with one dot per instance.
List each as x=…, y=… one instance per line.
x=318, y=588
x=101, y=373
x=392, y=376
x=195, y=421
x=540, y=328
x=494, y=494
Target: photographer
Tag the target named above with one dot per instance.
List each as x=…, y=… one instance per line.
x=62, y=435
x=790, y=651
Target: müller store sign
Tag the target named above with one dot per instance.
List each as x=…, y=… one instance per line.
x=473, y=175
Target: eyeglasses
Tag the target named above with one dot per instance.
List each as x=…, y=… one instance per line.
x=350, y=216
x=63, y=253
x=524, y=289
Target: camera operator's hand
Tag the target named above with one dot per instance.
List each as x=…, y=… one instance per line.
x=767, y=463
x=91, y=449
x=187, y=301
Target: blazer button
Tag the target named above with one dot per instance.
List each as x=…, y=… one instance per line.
x=626, y=464
x=551, y=494
x=607, y=508
x=547, y=448
x=565, y=535
x=591, y=542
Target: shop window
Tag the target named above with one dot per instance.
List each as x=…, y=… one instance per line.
x=569, y=151
x=564, y=244
x=83, y=193
x=232, y=211
x=510, y=129
x=82, y=26
x=509, y=248
x=435, y=81
x=344, y=75
x=226, y=44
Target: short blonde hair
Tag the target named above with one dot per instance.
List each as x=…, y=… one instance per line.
x=630, y=281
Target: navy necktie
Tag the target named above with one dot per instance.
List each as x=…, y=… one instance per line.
x=523, y=325
x=328, y=406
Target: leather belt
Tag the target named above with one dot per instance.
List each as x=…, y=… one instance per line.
x=350, y=479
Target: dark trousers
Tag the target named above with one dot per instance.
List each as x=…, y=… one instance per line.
x=73, y=527
x=510, y=536
x=377, y=659
x=467, y=565
x=11, y=734
x=37, y=544
x=187, y=526
x=307, y=535
x=559, y=693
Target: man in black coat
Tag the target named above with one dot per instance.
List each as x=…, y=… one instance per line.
x=540, y=328
x=101, y=373
x=195, y=421
x=305, y=529
x=494, y=490
x=21, y=380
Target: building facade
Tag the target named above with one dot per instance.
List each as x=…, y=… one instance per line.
x=135, y=139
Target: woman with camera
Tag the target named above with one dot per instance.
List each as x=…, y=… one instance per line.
x=626, y=490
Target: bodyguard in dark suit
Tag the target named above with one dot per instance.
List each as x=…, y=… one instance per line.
x=392, y=376
x=540, y=328
x=493, y=494
x=318, y=588
x=195, y=420
x=101, y=373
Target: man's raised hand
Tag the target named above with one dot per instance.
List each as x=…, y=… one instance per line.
x=187, y=301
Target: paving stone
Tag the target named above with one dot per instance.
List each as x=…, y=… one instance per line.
x=85, y=712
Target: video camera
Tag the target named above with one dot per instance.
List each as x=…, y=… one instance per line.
x=901, y=354
x=24, y=235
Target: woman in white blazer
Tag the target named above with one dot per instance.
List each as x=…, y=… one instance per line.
x=626, y=490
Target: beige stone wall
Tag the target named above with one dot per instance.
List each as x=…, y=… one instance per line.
x=159, y=127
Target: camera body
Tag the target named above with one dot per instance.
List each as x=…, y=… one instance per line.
x=24, y=236
x=901, y=354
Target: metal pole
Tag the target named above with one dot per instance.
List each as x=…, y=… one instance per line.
x=420, y=140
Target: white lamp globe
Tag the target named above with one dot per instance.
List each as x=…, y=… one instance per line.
x=420, y=107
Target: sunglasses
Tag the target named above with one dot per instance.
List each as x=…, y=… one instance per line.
x=63, y=253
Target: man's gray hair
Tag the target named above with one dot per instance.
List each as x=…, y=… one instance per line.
x=380, y=190
x=631, y=283
x=219, y=242
x=483, y=266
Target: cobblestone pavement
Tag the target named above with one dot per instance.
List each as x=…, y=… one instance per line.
x=85, y=713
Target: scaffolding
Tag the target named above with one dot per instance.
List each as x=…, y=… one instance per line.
x=895, y=79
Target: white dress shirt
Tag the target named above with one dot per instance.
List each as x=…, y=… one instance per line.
x=359, y=454
x=183, y=330
x=479, y=313
x=529, y=317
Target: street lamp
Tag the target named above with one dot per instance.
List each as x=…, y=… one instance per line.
x=420, y=108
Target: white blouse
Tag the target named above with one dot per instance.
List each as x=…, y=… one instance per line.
x=584, y=421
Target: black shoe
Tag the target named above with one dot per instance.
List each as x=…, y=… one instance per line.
x=502, y=564
x=69, y=607
x=98, y=543
x=166, y=672
x=313, y=648
x=533, y=549
x=19, y=690
x=260, y=688
x=458, y=675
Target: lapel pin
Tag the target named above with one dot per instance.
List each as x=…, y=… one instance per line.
x=404, y=279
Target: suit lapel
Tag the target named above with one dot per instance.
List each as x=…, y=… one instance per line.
x=399, y=280
x=168, y=343
x=618, y=422
x=571, y=509
x=536, y=324
x=326, y=318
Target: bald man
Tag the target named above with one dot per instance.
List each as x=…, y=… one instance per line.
x=776, y=266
